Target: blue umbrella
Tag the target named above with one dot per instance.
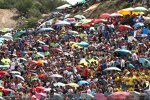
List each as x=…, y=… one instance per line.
x=4, y=66
x=123, y=52
x=138, y=25
x=82, y=82
x=83, y=44
x=143, y=60
x=45, y=29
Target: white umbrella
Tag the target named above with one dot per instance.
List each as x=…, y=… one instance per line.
x=112, y=68
x=41, y=42
x=62, y=23
x=80, y=17
x=7, y=36
x=47, y=89
x=64, y=6
x=59, y=84
x=18, y=76
x=56, y=75
x=15, y=72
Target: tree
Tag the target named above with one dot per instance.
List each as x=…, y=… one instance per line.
x=23, y=6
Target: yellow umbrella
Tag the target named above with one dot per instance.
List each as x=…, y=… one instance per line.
x=5, y=61
x=73, y=85
x=75, y=45
x=83, y=61
x=93, y=60
x=128, y=11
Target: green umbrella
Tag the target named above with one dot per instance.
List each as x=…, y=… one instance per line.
x=81, y=1
x=19, y=34
x=139, y=9
x=35, y=79
x=85, y=21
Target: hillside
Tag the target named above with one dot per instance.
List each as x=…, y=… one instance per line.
x=7, y=18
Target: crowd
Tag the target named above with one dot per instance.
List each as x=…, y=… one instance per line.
x=74, y=58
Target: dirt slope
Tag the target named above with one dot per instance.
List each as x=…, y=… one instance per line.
x=7, y=18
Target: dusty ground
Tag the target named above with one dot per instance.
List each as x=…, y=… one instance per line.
x=7, y=18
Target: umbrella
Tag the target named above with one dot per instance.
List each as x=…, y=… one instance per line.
x=93, y=60
x=62, y=23
x=19, y=34
x=45, y=29
x=4, y=30
x=86, y=25
x=23, y=59
x=4, y=66
x=35, y=79
x=8, y=90
x=105, y=15
x=47, y=89
x=79, y=66
x=112, y=68
x=73, y=85
x=83, y=82
x=120, y=95
x=85, y=21
x=125, y=27
x=98, y=20
x=4, y=73
x=56, y=75
x=79, y=17
x=143, y=61
x=123, y=52
x=40, y=88
x=15, y=72
x=18, y=76
x=83, y=44
x=6, y=61
x=84, y=62
x=140, y=9
x=59, y=84
x=40, y=55
x=64, y=6
x=116, y=15
x=138, y=25
x=7, y=36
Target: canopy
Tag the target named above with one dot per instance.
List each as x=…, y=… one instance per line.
x=64, y=6
x=59, y=84
x=123, y=52
x=125, y=27
x=73, y=85
x=116, y=15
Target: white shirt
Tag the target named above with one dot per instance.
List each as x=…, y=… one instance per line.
x=134, y=57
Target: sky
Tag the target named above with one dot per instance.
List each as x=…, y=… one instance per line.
x=72, y=1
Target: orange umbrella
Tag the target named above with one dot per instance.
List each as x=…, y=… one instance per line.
x=79, y=66
x=40, y=63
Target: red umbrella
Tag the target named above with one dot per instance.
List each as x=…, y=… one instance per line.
x=105, y=15
x=125, y=27
x=116, y=15
x=8, y=90
x=120, y=95
x=86, y=25
x=97, y=20
x=40, y=88
x=4, y=73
